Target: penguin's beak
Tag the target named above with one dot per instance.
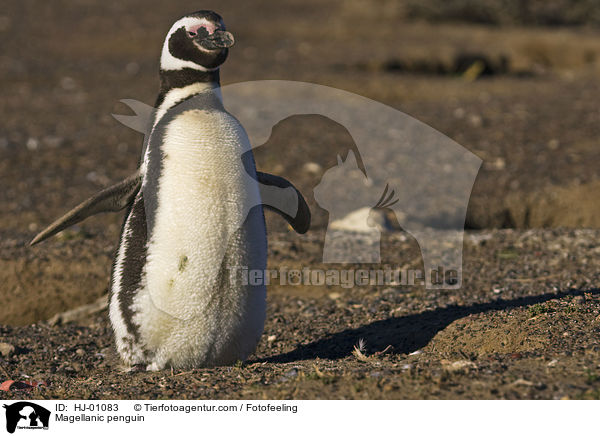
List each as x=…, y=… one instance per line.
x=217, y=40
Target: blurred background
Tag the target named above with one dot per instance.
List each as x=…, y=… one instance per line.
x=514, y=81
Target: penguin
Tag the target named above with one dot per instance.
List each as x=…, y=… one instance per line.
x=194, y=219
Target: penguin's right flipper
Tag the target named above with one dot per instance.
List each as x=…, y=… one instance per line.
x=111, y=199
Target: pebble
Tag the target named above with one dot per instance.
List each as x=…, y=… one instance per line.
x=68, y=369
x=521, y=382
x=364, y=220
x=312, y=168
x=459, y=113
x=460, y=364
x=32, y=144
x=68, y=84
x=6, y=350
x=475, y=120
x=553, y=144
x=479, y=238
x=499, y=163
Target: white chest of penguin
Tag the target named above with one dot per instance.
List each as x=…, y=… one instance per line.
x=203, y=234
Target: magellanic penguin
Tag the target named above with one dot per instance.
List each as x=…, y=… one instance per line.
x=191, y=221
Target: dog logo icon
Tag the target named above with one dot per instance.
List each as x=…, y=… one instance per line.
x=26, y=415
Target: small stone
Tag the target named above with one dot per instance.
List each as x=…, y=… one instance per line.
x=365, y=220
x=460, y=365
x=312, y=168
x=521, y=382
x=271, y=338
x=479, y=238
x=67, y=83
x=475, y=120
x=335, y=295
x=6, y=350
x=459, y=113
x=580, y=299
x=80, y=352
x=32, y=144
x=553, y=144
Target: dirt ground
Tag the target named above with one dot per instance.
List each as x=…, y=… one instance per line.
x=519, y=91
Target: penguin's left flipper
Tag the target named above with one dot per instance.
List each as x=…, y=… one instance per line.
x=279, y=195
x=111, y=199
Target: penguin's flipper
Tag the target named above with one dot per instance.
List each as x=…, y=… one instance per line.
x=279, y=195
x=111, y=199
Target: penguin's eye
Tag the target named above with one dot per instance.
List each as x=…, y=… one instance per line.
x=190, y=33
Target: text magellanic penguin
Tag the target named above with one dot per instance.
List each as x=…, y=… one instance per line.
x=191, y=219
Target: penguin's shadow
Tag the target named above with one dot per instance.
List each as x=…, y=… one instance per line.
x=405, y=334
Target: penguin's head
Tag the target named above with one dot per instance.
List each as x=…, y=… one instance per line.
x=198, y=41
